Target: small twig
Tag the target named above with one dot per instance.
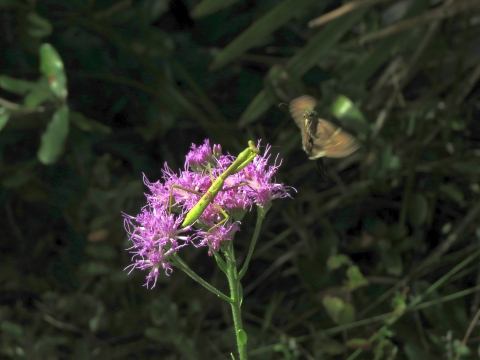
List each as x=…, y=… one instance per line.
x=467, y=85
x=60, y=325
x=450, y=240
x=345, y=9
x=467, y=334
x=9, y=105
x=428, y=16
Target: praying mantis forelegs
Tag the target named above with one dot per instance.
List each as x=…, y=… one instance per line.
x=242, y=160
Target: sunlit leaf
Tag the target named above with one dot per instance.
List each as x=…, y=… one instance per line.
x=51, y=66
x=54, y=138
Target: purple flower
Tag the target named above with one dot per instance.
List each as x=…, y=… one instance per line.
x=154, y=240
x=259, y=177
x=199, y=157
x=216, y=236
x=157, y=232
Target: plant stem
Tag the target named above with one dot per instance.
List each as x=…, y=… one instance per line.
x=236, y=300
x=178, y=262
x=261, y=212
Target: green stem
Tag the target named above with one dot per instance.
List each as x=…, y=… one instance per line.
x=179, y=263
x=261, y=212
x=236, y=297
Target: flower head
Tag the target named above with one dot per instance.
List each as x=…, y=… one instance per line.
x=158, y=232
x=154, y=240
x=198, y=158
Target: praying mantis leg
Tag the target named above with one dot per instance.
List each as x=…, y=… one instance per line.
x=242, y=160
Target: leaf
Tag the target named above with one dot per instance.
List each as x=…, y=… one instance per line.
x=51, y=66
x=335, y=261
x=358, y=343
x=418, y=209
x=53, y=139
x=39, y=27
x=242, y=337
x=393, y=262
x=343, y=107
x=209, y=7
x=4, y=116
x=39, y=95
x=259, y=30
x=468, y=166
x=304, y=60
x=355, y=278
x=94, y=322
x=86, y=124
x=16, y=86
x=154, y=334
x=453, y=192
x=14, y=330
x=340, y=312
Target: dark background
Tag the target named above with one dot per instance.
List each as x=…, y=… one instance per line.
x=151, y=77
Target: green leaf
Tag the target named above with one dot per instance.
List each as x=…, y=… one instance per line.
x=39, y=95
x=154, y=334
x=339, y=311
x=39, y=26
x=335, y=261
x=418, y=209
x=16, y=86
x=4, y=116
x=94, y=322
x=51, y=66
x=393, y=262
x=358, y=343
x=50, y=61
x=209, y=7
x=87, y=124
x=53, y=139
x=471, y=166
x=242, y=337
x=14, y=330
x=304, y=60
x=259, y=30
x=355, y=278
x=446, y=228
x=453, y=192
x=343, y=107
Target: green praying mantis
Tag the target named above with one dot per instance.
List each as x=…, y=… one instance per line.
x=242, y=160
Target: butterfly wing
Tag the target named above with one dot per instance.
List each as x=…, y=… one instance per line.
x=332, y=141
x=299, y=106
x=320, y=137
x=302, y=112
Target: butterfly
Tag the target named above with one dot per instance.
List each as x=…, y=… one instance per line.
x=320, y=137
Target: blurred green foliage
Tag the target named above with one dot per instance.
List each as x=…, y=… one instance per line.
x=378, y=262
